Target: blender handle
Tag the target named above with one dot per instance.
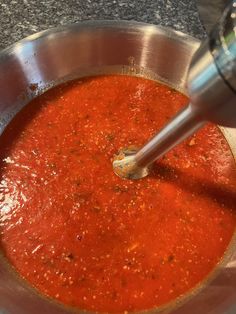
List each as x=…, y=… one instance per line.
x=211, y=79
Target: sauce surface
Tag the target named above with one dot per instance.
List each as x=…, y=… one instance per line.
x=80, y=234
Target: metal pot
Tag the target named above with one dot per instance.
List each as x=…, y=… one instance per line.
x=40, y=61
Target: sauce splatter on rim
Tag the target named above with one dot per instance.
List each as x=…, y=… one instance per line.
x=80, y=234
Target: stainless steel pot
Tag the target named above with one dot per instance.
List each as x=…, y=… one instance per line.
x=40, y=61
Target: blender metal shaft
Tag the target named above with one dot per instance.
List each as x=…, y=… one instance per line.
x=135, y=165
x=184, y=124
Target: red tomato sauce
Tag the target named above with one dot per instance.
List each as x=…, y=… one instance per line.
x=80, y=234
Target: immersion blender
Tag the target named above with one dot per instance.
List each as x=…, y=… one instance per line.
x=211, y=86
